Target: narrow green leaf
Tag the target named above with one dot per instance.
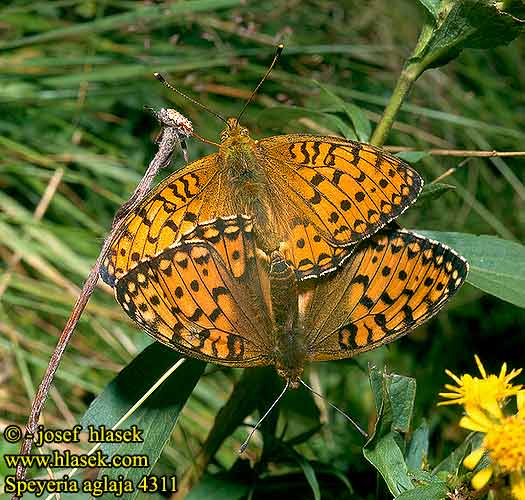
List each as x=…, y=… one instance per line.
x=418, y=447
x=309, y=473
x=150, y=13
x=453, y=463
x=157, y=416
x=361, y=123
x=279, y=114
x=432, y=6
x=412, y=156
x=497, y=266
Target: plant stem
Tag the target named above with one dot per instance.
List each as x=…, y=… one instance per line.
x=409, y=75
x=168, y=141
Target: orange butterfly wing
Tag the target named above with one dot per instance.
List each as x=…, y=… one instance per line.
x=393, y=282
x=345, y=189
x=208, y=297
x=316, y=195
x=168, y=211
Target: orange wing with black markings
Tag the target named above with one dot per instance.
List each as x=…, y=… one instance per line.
x=168, y=211
x=317, y=196
x=344, y=190
x=393, y=282
x=207, y=296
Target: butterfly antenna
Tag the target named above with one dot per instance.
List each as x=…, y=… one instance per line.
x=165, y=82
x=355, y=424
x=278, y=52
x=245, y=444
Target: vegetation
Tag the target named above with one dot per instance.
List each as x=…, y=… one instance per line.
x=75, y=140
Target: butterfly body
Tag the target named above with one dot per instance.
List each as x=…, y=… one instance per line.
x=312, y=197
x=217, y=297
x=289, y=353
x=248, y=186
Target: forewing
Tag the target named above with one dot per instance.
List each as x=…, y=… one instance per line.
x=393, y=282
x=207, y=298
x=167, y=212
x=346, y=190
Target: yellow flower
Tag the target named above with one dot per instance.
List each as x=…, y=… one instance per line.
x=506, y=444
x=488, y=392
x=504, y=441
x=517, y=486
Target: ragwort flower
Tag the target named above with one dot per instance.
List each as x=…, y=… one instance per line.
x=504, y=442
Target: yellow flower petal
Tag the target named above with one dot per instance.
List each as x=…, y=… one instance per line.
x=513, y=374
x=444, y=403
x=492, y=407
x=520, y=401
x=449, y=394
x=471, y=425
x=454, y=377
x=480, y=366
x=489, y=392
x=453, y=388
x=481, y=478
x=479, y=416
x=473, y=459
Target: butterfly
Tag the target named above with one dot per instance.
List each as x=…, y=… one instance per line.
x=217, y=297
x=320, y=195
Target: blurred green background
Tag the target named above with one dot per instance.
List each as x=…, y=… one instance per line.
x=75, y=139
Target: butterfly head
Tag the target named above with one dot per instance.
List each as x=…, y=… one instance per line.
x=234, y=133
x=293, y=378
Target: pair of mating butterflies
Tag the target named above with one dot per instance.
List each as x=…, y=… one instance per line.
x=234, y=290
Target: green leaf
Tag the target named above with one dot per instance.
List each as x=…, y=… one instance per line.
x=361, y=123
x=418, y=447
x=432, y=6
x=377, y=385
x=460, y=24
x=146, y=14
x=394, y=412
x=496, y=265
x=434, y=491
x=402, y=394
x=453, y=463
x=386, y=456
x=157, y=416
x=282, y=114
x=218, y=489
x=412, y=156
x=309, y=473
x=394, y=395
